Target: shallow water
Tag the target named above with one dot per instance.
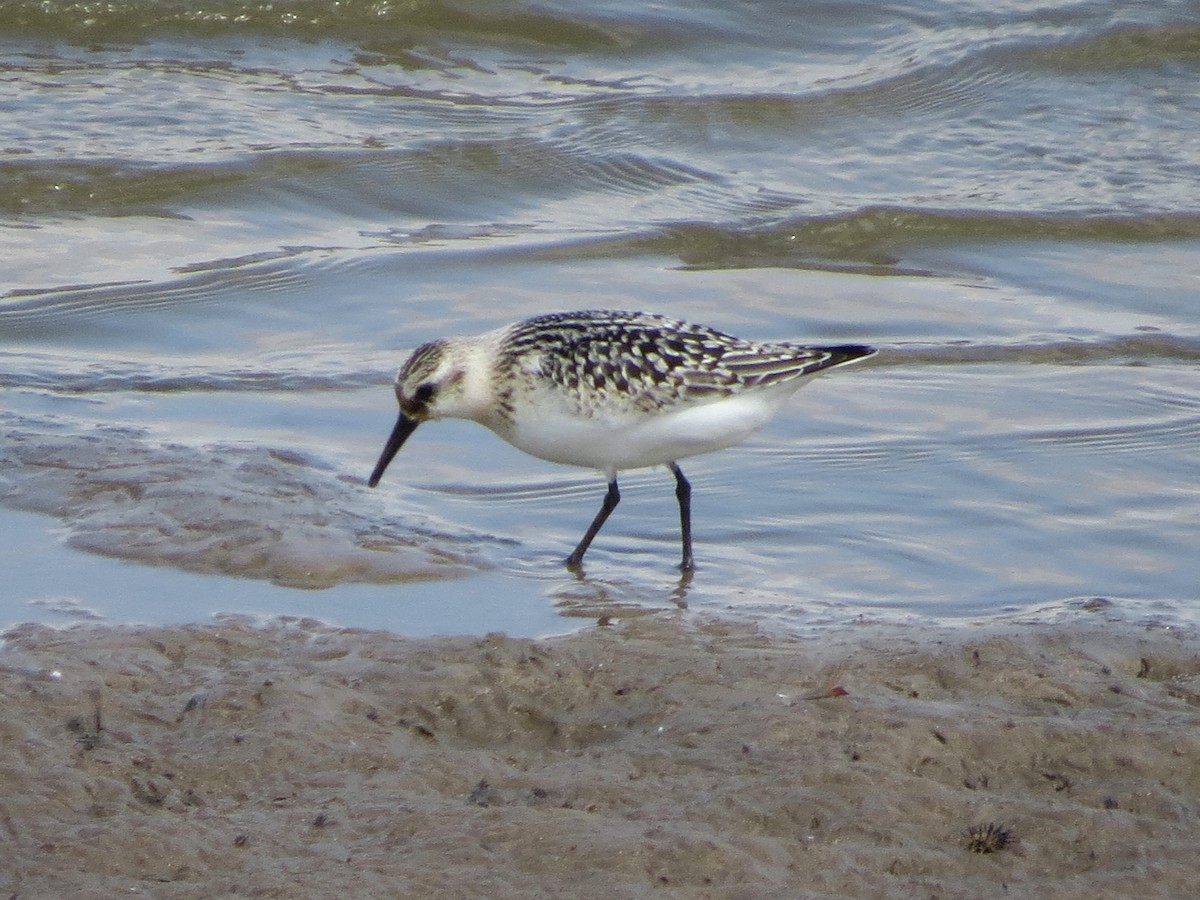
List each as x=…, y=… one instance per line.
x=223, y=231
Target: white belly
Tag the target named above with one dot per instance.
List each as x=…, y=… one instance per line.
x=610, y=442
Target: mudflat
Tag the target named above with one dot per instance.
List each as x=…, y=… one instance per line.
x=671, y=754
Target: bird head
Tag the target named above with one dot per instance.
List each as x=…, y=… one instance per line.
x=429, y=380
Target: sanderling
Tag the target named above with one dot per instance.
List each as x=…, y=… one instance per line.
x=608, y=390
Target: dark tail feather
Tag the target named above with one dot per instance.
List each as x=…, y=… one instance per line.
x=841, y=354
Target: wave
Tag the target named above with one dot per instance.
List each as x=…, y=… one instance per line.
x=872, y=240
x=1124, y=47
x=874, y=237
x=73, y=375
x=31, y=188
x=443, y=178
x=132, y=20
x=489, y=181
x=398, y=30
x=1122, y=350
x=29, y=313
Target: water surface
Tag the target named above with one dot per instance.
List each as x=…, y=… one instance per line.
x=224, y=229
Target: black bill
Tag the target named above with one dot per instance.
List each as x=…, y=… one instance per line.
x=404, y=427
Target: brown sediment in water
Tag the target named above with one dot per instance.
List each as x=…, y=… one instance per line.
x=678, y=755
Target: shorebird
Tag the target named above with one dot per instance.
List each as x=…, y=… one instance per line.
x=607, y=390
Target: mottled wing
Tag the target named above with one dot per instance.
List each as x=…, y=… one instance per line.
x=612, y=360
x=609, y=360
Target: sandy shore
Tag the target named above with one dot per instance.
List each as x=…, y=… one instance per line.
x=671, y=755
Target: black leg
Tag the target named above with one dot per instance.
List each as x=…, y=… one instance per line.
x=611, y=499
x=683, y=493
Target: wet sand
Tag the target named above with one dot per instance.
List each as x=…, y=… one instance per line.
x=673, y=755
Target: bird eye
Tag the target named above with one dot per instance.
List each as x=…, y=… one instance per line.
x=424, y=392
